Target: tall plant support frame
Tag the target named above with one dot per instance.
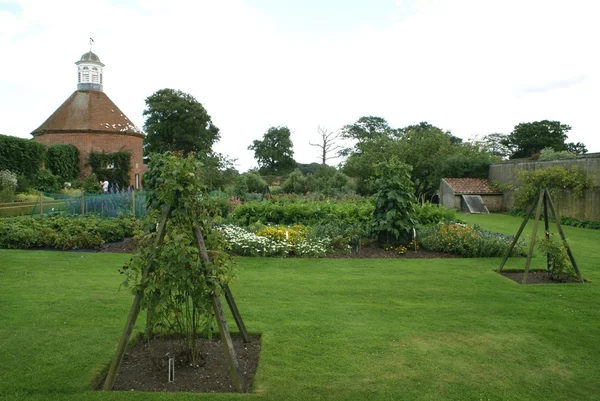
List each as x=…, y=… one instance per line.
x=231, y=357
x=544, y=202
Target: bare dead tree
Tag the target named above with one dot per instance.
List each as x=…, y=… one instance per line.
x=328, y=143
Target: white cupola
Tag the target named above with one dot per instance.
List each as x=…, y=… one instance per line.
x=89, y=72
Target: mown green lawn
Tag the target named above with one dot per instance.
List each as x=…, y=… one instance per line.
x=340, y=329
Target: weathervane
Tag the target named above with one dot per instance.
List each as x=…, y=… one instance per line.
x=91, y=43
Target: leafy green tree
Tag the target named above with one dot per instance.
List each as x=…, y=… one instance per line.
x=495, y=144
x=295, y=183
x=577, y=148
x=423, y=146
x=274, y=153
x=529, y=138
x=468, y=161
x=219, y=171
x=364, y=130
x=394, y=202
x=176, y=121
x=249, y=182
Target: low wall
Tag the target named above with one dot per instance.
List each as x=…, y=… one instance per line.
x=585, y=207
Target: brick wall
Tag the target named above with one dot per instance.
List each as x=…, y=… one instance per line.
x=99, y=142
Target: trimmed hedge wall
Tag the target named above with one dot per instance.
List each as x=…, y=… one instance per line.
x=63, y=161
x=21, y=156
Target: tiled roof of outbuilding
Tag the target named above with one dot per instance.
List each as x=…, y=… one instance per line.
x=88, y=111
x=470, y=185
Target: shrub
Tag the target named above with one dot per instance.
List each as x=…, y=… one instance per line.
x=91, y=184
x=64, y=232
x=45, y=181
x=342, y=236
x=8, y=184
x=63, y=161
x=566, y=221
x=467, y=241
x=553, y=178
x=295, y=183
x=394, y=202
x=551, y=154
x=429, y=213
x=560, y=267
x=249, y=182
x=111, y=167
x=21, y=156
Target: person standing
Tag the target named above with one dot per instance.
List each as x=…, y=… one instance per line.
x=105, y=186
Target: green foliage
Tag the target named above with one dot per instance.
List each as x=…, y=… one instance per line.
x=63, y=161
x=219, y=171
x=559, y=267
x=45, y=181
x=295, y=183
x=176, y=121
x=91, y=184
x=529, y=138
x=179, y=285
x=274, y=153
x=329, y=181
x=342, y=236
x=8, y=184
x=469, y=161
x=112, y=167
x=429, y=214
x=467, y=241
x=249, y=182
x=21, y=156
x=64, y=232
x=281, y=211
x=394, y=202
x=23, y=184
x=565, y=221
x=495, y=144
x=553, y=178
x=551, y=154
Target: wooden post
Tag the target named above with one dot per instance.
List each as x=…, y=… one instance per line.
x=133, y=202
x=82, y=203
x=516, y=238
x=115, y=365
x=562, y=236
x=41, y=204
x=234, y=368
x=533, y=235
x=236, y=314
x=546, y=228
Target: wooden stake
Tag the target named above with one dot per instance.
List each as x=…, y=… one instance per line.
x=133, y=202
x=546, y=228
x=562, y=236
x=234, y=368
x=533, y=235
x=236, y=314
x=115, y=365
x=41, y=204
x=83, y=203
x=516, y=238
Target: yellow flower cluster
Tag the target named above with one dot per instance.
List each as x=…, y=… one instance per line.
x=292, y=234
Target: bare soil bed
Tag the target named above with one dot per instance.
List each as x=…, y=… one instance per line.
x=145, y=367
x=536, y=277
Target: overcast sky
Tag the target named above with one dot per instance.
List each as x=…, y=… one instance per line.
x=473, y=67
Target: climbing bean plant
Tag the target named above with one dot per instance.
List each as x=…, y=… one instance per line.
x=179, y=285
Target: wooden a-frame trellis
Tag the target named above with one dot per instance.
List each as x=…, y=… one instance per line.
x=544, y=202
x=217, y=308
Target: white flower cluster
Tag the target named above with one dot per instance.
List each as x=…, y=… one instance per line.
x=244, y=243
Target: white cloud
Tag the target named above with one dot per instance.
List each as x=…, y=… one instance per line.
x=473, y=67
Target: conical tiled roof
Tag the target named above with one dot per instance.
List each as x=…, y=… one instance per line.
x=88, y=111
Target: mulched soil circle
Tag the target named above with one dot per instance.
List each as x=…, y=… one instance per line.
x=536, y=277
x=145, y=367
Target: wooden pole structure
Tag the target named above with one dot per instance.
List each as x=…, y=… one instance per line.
x=133, y=202
x=83, y=203
x=516, y=238
x=562, y=236
x=115, y=365
x=234, y=368
x=546, y=227
x=41, y=204
x=533, y=235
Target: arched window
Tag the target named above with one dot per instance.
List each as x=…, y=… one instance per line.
x=95, y=79
x=86, y=75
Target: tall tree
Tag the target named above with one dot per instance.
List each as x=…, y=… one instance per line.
x=495, y=144
x=424, y=146
x=529, y=138
x=274, y=154
x=328, y=144
x=176, y=121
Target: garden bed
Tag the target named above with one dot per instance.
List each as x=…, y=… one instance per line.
x=536, y=277
x=145, y=367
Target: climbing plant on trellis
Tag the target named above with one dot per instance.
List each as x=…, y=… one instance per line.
x=174, y=275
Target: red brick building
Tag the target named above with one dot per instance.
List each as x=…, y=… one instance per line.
x=90, y=121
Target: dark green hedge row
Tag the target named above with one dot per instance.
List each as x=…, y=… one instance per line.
x=63, y=161
x=565, y=221
x=85, y=232
x=113, y=167
x=21, y=156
